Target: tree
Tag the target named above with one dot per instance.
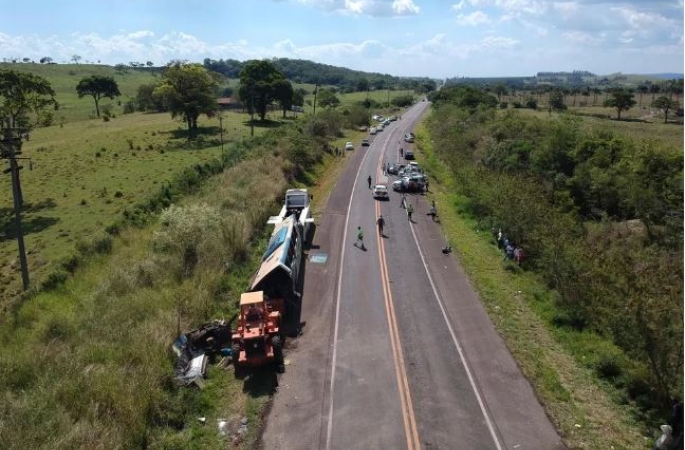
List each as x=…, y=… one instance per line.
x=298, y=96
x=98, y=87
x=283, y=92
x=259, y=80
x=620, y=99
x=21, y=93
x=665, y=104
x=556, y=101
x=327, y=98
x=76, y=59
x=147, y=101
x=642, y=89
x=500, y=90
x=188, y=91
x=45, y=60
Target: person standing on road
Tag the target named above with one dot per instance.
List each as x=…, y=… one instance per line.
x=360, y=238
x=403, y=201
x=369, y=180
x=381, y=223
x=410, y=210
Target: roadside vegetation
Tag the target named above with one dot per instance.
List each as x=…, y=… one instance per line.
x=599, y=215
x=104, y=333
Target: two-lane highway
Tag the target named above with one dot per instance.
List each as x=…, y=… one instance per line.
x=397, y=351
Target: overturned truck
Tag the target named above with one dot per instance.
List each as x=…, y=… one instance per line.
x=273, y=297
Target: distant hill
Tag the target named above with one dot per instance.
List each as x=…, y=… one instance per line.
x=665, y=76
x=309, y=72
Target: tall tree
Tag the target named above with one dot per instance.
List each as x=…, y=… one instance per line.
x=21, y=93
x=98, y=86
x=665, y=104
x=500, y=90
x=188, y=91
x=283, y=91
x=620, y=99
x=556, y=101
x=327, y=98
x=259, y=80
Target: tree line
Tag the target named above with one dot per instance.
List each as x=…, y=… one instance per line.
x=344, y=79
x=600, y=216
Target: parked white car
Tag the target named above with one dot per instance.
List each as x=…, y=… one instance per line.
x=349, y=146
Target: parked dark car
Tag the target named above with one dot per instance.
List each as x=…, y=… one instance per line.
x=409, y=155
x=394, y=168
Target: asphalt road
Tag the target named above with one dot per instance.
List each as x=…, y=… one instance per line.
x=396, y=351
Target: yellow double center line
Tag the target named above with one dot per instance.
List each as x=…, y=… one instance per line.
x=411, y=432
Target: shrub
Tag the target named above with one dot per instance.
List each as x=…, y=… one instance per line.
x=55, y=279
x=129, y=107
x=187, y=234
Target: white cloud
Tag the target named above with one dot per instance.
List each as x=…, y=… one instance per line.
x=565, y=9
x=140, y=34
x=578, y=37
x=474, y=19
x=374, y=8
x=495, y=42
x=642, y=20
x=405, y=7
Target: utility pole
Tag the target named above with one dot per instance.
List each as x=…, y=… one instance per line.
x=251, y=110
x=11, y=147
x=221, y=133
x=316, y=91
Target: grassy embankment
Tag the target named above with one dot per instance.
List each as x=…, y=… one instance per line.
x=558, y=361
x=105, y=334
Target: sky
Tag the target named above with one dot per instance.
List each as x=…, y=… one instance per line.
x=429, y=38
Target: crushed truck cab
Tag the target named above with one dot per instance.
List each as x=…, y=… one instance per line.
x=297, y=204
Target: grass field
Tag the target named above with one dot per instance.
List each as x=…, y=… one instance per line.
x=83, y=175
x=639, y=127
x=65, y=77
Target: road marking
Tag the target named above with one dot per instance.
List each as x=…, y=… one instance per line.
x=329, y=427
x=455, y=340
x=414, y=440
x=408, y=417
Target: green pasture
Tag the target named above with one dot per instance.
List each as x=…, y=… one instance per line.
x=65, y=77
x=83, y=175
x=636, y=123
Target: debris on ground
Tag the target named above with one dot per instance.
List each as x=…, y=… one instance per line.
x=192, y=350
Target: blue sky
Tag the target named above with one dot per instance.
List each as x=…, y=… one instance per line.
x=433, y=38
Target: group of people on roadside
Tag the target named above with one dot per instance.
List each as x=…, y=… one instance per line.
x=512, y=252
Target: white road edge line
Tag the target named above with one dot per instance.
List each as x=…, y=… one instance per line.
x=472, y=381
x=329, y=427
